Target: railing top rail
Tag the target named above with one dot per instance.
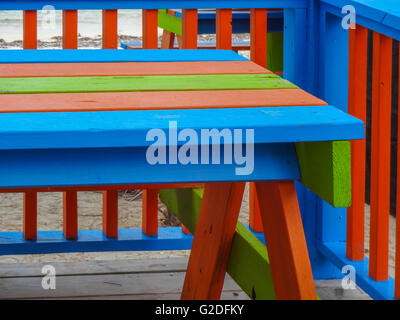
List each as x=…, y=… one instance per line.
x=150, y=4
x=378, y=15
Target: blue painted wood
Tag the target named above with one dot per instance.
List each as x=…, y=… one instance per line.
x=110, y=129
x=115, y=55
x=336, y=252
x=149, y=4
x=124, y=45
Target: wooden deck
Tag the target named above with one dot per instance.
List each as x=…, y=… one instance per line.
x=154, y=279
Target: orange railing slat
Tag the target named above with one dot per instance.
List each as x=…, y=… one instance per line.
x=110, y=29
x=224, y=29
x=397, y=261
x=258, y=36
x=30, y=29
x=149, y=29
x=189, y=28
x=70, y=29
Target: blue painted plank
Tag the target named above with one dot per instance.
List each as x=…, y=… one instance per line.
x=124, y=45
x=110, y=129
x=148, y=4
x=336, y=252
x=129, y=166
x=116, y=55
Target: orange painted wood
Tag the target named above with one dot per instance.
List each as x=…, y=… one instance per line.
x=185, y=230
x=150, y=212
x=70, y=29
x=286, y=242
x=212, y=241
x=167, y=41
x=223, y=27
x=110, y=29
x=155, y=100
x=258, y=36
x=397, y=261
x=110, y=213
x=30, y=215
x=380, y=157
x=129, y=69
x=255, y=221
x=30, y=29
x=189, y=28
x=70, y=215
x=358, y=46
x=149, y=29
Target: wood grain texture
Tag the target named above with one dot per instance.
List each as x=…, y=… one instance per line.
x=326, y=169
x=145, y=83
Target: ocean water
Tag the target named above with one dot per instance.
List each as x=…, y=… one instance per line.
x=50, y=24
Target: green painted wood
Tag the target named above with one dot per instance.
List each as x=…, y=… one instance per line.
x=326, y=169
x=169, y=22
x=248, y=263
x=142, y=83
x=275, y=51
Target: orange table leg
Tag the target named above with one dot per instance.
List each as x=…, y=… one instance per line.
x=30, y=29
x=110, y=29
x=149, y=28
x=110, y=213
x=358, y=42
x=189, y=28
x=397, y=263
x=286, y=243
x=70, y=29
x=258, y=36
x=150, y=212
x=185, y=230
x=168, y=39
x=224, y=29
x=30, y=215
x=70, y=215
x=380, y=157
x=212, y=241
x=255, y=221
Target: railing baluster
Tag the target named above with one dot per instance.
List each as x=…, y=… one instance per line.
x=30, y=29
x=150, y=212
x=224, y=29
x=70, y=29
x=258, y=36
x=149, y=29
x=397, y=261
x=110, y=213
x=30, y=215
x=380, y=157
x=358, y=47
x=189, y=28
x=70, y=215
x=110, y=29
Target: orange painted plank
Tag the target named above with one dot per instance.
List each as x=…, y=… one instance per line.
x=380, y=157
x=286, y=242
x=155, y=100
x=212, y=241
x=223, y=27
x=185, y=230
x=255, y=221
x=128, y=69
x=70, y=29
x=397, y=263
x=357, y=107
x=110, y=213
x=30, y=215
x=150, y=212
x=110, y=29
x=30, y=29
x=167, y=41
x=258, y=36
x=189, y=28
x=70, y=215
x=149, y=29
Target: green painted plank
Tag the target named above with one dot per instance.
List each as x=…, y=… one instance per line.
x=143, y=83
x=275, y=51
x=248, y=263
x=169, y=22
x=326, y=169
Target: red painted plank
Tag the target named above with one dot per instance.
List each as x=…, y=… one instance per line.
x=110, y=29
x=224, y=29
x=70, y=215
x=380, y=157
x=357, y=107
x=70, y=29
x=212, y=241
x=149, y=29
x=30, y=215
x=30, y=29
x=286, y=242
x=110, y=213
x=189, y=28
x=150, y=212
x=258, y=36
